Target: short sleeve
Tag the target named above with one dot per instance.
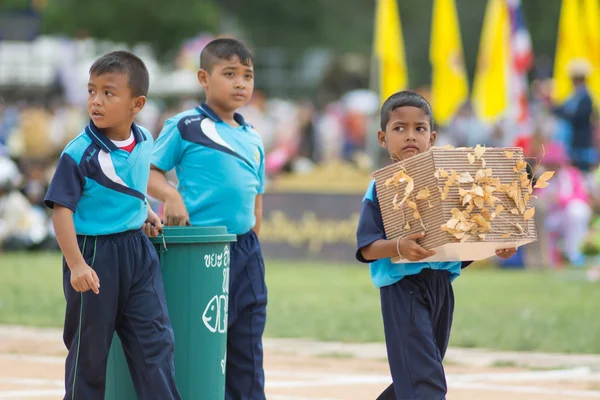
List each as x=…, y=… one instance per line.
x=370, y=224
x=168, y=147
x=261, y=173
x=67, y=184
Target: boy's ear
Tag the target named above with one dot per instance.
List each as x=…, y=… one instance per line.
x=432, y=138
x=138, y=103
x=203, y=77
x=381, y=139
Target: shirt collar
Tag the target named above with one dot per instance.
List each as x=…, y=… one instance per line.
x=204, y=109
x=99, y=138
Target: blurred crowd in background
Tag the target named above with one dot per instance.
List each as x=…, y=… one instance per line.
x=334, y=123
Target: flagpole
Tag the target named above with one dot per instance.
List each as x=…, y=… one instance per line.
x=372, y=144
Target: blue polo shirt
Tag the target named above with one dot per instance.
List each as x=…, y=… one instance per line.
x=220, y=169
x=103, y=185
x=383, y=271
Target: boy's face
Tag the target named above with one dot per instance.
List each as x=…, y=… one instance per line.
x=229, y=84
x=407, y=133
x=110, y=102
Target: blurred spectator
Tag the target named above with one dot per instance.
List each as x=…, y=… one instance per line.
x=576, y=112
x=466, y=130
x=22, y=226
x=567, y=203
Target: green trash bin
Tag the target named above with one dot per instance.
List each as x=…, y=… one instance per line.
x=195, y=267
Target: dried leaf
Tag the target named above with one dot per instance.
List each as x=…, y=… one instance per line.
x=529, y=214
x=506, y=235
x=467, y=199
x=407, y=226
x=491, y=201
x=452, y=223
x=444, y=195
x=395, y=202
x=465, y=177
x=459, y=235
x=465, y=238
x=487, y=214
x=478, y=191
x=443, y=173
x=483, y=163
x=479, y=151
x=525, y=182
x=542, y=181
x=409, y=187
x=499, y=209
x=411, y=204
x=520, y=227
x=514, y=211
x=388, y=181
x=520, y=166
x=416, y=215
x=424, y=194
x=482, y=236
x=479, y=202
x=509, y=154
x=482, y=222
x=521, y=205
x=480, y=175
x=471, y=158
x=470, y=208
x=430, y=205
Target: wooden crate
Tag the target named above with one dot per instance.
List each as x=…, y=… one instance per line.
x=424, y=169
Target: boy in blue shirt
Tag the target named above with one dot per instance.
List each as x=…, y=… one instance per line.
x=219, y=161
x=417, y=301
x=98, y=194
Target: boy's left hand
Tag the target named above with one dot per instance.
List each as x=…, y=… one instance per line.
x=506, y=253
x=152, y=227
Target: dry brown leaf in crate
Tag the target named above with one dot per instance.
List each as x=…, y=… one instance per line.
x=542, y=181
x=529, y=214
x=479, y=151
x=424, y=194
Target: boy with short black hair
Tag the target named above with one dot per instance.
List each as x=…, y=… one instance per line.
x=417, y=300
x=219, y=160
x=98, y=194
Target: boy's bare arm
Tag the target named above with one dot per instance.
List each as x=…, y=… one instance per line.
x=407, y=247
x=258, y=213
x=83, y=277
x=175, y=213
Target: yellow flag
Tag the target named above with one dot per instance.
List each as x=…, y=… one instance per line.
x=591, y=14
x=389, y=49
x=449, y=87
x=490, y=86
x=570, y=45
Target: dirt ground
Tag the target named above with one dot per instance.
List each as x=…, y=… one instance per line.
x=31, y=367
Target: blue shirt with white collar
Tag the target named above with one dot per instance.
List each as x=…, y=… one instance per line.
x=220, y=169
x=383, y=271
x=103, y=185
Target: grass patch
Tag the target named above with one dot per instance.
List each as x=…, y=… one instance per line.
x=499, y=309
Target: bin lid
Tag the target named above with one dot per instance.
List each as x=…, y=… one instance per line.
x=195, y=234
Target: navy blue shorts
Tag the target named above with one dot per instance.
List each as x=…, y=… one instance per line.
x=132, y=303
x=245, y=377
x=417, y=317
